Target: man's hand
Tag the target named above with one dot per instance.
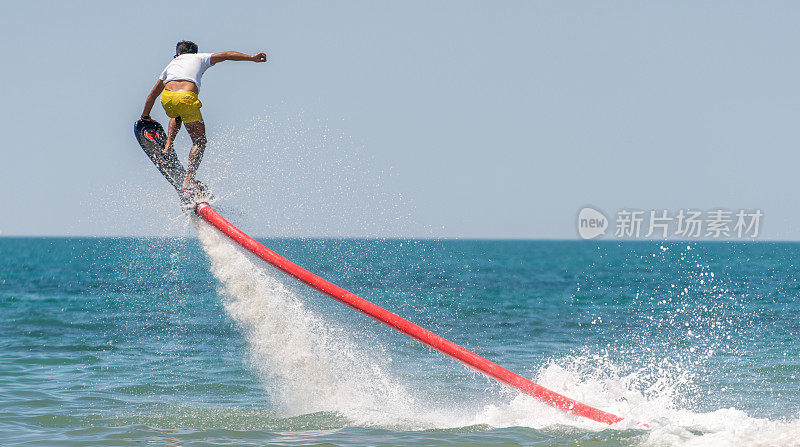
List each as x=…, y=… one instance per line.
x=260, y=57
x=147, y=118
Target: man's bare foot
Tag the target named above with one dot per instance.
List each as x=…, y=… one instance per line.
x=167, y=149
x=191, y=184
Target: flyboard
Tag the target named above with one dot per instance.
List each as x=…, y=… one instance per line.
x=151, y=138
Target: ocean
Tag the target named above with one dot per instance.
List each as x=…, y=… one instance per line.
x=191, y=341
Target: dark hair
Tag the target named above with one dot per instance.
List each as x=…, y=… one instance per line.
x=184, y=47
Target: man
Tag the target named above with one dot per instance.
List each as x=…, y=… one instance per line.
x=180, y=84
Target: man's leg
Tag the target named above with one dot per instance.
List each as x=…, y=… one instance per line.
x=197, y=130
x=174, y=127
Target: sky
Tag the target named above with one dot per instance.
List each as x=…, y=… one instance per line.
x=452, y=119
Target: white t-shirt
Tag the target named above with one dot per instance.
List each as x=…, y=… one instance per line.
x=187, y=67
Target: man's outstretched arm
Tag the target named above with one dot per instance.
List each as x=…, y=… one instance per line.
x=236, y=56
x=151, y=98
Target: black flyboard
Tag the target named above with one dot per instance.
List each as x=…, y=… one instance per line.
x=151, y=138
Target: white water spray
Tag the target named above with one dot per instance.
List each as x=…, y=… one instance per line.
x=309, y=365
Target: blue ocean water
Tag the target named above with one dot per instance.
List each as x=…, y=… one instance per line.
x=190, y=341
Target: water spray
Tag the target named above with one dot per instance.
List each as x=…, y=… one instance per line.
x=469, y=358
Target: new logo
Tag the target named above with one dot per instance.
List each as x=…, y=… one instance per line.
x=591, y=223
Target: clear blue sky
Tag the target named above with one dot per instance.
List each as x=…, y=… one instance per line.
x=447, y=118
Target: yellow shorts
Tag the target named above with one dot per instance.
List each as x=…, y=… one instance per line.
x=182, y=104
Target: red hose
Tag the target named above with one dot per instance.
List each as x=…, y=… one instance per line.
x=425, y=336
